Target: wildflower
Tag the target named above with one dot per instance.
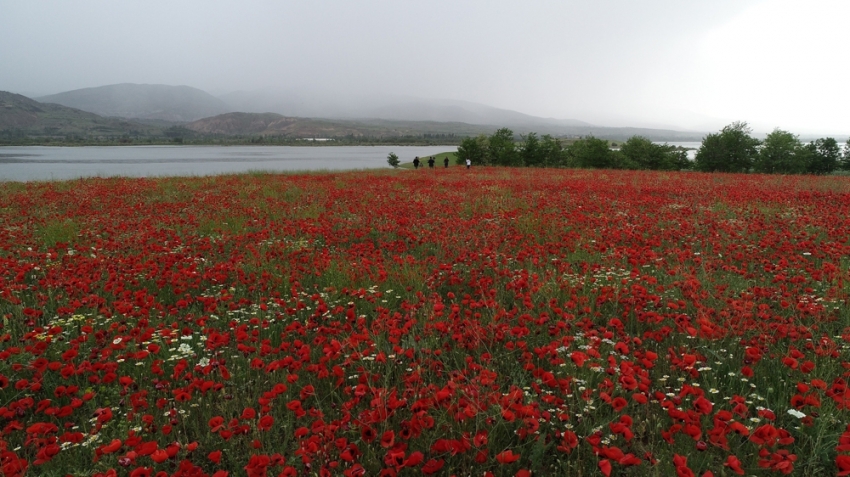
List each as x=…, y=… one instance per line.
x=507, y=457
x=734, y=464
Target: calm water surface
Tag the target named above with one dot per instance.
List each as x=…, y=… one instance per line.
x=39, y=163
x=692, y=147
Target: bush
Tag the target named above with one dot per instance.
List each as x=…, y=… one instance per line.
x=730, y=150
x=641, y=153
x=392, y=159
x=592, y=153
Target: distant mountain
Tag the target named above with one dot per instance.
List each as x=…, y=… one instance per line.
x=390, y=111
x=400, y=108
x=21, y=114
x=155, y=108
x=230, y=124
x=621, y=134
x=143, y=101
x=273, y=124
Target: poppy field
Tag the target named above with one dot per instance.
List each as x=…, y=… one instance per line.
x=491, y=321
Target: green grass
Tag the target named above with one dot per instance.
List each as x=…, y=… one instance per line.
x=58, y=231
x=438, y=161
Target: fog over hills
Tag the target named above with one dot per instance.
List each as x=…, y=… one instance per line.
x=142, y=101
x=655, y=64
x=162, y=105
x=186, y=104
x=393, y=107
x=273, y=124
x=270, y=124
x=27, y=116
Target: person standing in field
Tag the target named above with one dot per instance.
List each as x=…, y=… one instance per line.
x=468, y=163
x=416, y=162
x=446, y=161
x=431, y=162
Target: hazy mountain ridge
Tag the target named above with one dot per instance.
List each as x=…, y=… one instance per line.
x=265, y=124
x=19, y=113
x=388, y=107
x=273, y=124
x=154, y=108
x=468, y=118
x=143, y=101
x=185, y=104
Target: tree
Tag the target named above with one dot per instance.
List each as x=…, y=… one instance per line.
x=644, y=154
x=845, y=158
x=502, y=149
x=552, y=151
x=783, y=153
x=590, y=152
x=824, y=156
x=545, y=151
x=474, y=149
x=531, y=152
x=392, y=159
x=730, y=150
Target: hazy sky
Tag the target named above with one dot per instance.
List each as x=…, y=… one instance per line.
x=684, y=63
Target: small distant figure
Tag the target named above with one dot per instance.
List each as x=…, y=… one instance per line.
x=431, y=162
x=416, y=162
x=446, y=162
x=468, y=163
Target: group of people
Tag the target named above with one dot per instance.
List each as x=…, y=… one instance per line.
x=431, y=162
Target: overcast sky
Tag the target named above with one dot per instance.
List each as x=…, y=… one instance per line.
x=687, y=64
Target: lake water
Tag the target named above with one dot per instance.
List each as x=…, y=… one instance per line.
x=692, y=147
x=39, y=163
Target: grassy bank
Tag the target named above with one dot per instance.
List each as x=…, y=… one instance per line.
x=438, y=161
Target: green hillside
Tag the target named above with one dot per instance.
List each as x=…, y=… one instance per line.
x=22, y=116
x=142, y=101
x=272, y=124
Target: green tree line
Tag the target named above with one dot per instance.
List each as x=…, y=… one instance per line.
x=733, y=149
x=500, y=149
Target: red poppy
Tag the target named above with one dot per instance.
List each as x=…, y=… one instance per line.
x=843, y=464
x=265, y=423
x=159, y=456
x=480, y=438
x=367, y=434
x=216, y=423
x=414, y=459
x=146, y=448
x=388, y=439
x=578, y=358
x=507, y=457
x=432, y=466
x=605, y=467
x=734, y=464
x=703, y=406
x=113, y=446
